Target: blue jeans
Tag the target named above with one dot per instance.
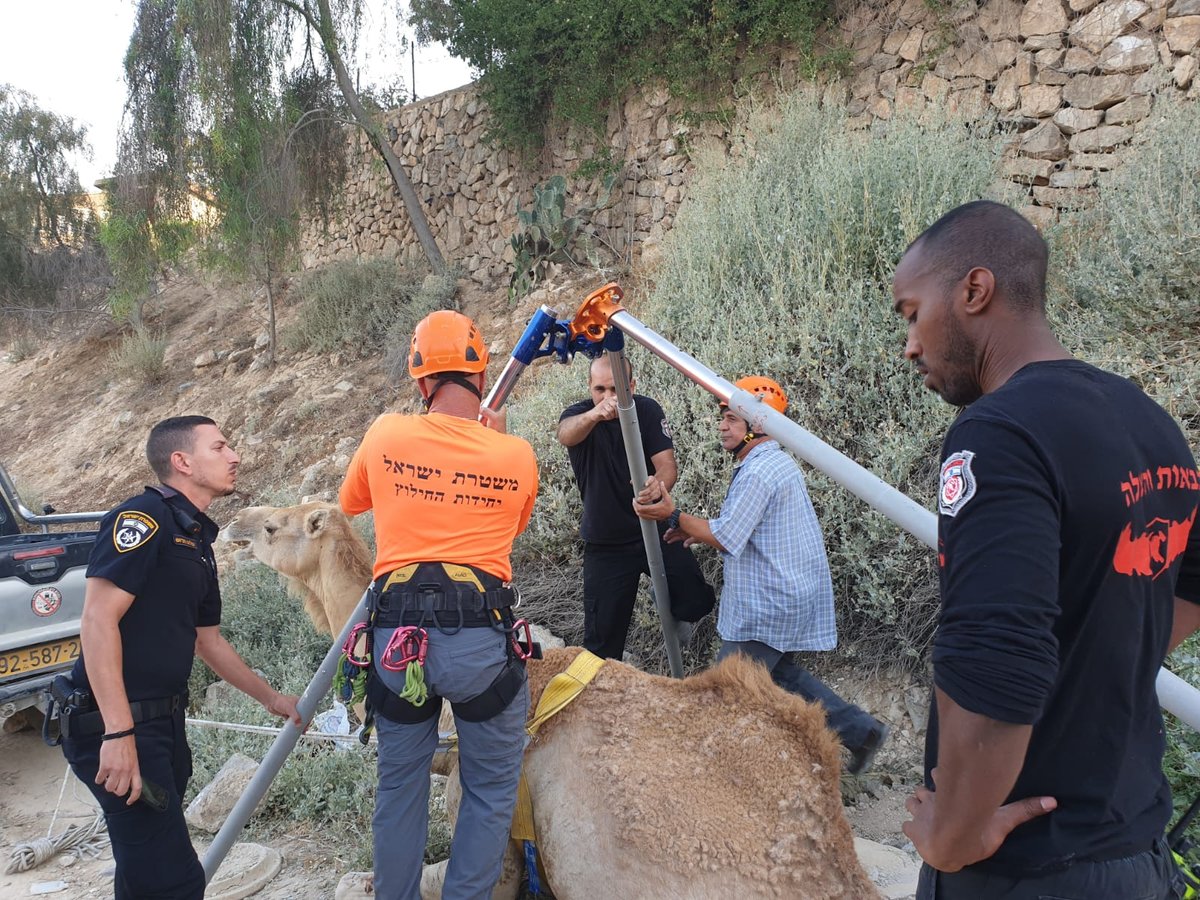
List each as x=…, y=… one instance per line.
x=853, y=726
x=458, y=667
x=1150, y=875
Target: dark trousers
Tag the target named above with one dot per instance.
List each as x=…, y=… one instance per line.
x=153, y=850
x=853, y=726
x=1150, y=875
x=610, y=582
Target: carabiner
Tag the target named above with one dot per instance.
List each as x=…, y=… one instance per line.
x=360, y=662
x=410, y=643
x=514, y=635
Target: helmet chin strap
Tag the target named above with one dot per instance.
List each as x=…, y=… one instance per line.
x=750, y=436
x=458, y=379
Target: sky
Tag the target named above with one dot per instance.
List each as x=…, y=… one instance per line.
x=68, y=54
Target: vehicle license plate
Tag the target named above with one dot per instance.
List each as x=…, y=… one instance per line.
x=39, y=656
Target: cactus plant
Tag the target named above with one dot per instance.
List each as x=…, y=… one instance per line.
x=546, y=234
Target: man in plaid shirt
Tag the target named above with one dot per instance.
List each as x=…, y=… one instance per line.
x=777, y=596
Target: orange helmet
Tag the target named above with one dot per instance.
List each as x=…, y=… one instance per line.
x=446, y=341
x=765, y=389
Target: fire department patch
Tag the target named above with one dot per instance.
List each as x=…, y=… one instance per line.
x=46, y=601
x=957, y=484
x=132, y=529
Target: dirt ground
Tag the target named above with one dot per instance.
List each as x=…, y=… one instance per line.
x=38, y=793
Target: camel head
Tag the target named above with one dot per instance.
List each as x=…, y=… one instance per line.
x=314, y=546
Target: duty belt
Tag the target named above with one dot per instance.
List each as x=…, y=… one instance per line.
x=79, y=717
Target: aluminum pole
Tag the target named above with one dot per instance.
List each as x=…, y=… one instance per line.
x=631, y=434
x=1174, y=694
x=522, y=355
x=876, y=492
x=280, y=748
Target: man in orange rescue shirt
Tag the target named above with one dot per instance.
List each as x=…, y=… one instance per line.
x=450, y=495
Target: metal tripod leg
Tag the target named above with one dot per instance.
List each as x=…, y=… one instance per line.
x=280, y=749
x=632, y=436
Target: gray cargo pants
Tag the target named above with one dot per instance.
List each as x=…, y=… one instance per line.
x=458, y=667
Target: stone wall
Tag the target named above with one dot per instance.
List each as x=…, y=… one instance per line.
x=1074, y=81
x=470, y=189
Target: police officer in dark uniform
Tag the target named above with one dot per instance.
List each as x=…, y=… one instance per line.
x=152, y=602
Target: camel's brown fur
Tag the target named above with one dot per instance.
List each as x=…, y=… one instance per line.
x=722, y=772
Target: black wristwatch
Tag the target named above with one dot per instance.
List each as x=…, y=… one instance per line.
x=673, y=518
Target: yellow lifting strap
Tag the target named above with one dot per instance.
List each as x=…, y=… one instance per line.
x=565, y=687
x=562, y=689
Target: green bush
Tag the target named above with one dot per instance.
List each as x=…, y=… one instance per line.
x=141, y=356
x=1126, y=272
x=539, y=59
x=363, y=305
x=137, y=250
x=1133, y=259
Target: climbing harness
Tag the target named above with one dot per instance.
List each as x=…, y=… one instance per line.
x=449, y=597
x=556, y=696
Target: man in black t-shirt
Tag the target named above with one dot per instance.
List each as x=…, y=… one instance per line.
x=1069, y=566
x=614, y=555
x=151, y=604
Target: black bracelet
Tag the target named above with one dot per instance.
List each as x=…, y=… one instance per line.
x=673, y=518
x=117, y=735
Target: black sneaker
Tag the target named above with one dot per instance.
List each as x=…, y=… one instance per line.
x=861, y=759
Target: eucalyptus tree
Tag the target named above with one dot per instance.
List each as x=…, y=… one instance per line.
x=39, y=188
x=212, y=83
x=40, y=207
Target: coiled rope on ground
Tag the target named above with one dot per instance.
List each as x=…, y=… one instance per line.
x=90, y=840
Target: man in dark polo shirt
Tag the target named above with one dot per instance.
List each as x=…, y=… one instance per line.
x=152, y=603
x=614, y=555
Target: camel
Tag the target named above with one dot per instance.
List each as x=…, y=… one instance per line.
x=718, y=785
x=326, y=564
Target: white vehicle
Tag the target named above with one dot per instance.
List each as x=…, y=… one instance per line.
x=41, y=597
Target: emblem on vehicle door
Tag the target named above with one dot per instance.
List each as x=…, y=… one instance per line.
x=46, y=601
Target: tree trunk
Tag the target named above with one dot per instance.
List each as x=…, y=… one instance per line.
x=411, y=202
x=270, y=316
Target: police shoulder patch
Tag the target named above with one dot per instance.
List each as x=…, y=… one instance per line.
x=666, y=428
x=957, y=484
x=132, y=529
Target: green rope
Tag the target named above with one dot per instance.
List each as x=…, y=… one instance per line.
x=358, y=683
x=339, y=675
x=415, y=690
